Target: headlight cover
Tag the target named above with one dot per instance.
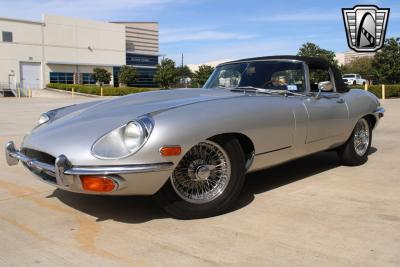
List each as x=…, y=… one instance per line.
x=125, y=140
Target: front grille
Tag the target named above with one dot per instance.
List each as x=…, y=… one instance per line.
x=42, y=157
x=38, y=155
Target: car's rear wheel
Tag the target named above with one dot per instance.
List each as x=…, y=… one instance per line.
x=355, y=151
x=206, y=181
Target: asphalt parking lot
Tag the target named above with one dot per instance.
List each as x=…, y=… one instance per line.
x=309, y=212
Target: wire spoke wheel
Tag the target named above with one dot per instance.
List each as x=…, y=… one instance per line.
x=203, y=173
x=361, y=137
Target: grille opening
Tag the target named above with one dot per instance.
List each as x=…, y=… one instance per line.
x=39, y=156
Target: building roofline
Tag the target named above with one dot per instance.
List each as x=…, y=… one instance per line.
x=22, y=21
x=144, y=53
x=156, y=22
x=82, y=64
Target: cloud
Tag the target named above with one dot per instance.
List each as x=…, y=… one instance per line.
x=174, y=36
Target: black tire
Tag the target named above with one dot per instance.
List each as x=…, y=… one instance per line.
x=363, y=83
x=354, y=83
x=347, y=152
x=180, y=208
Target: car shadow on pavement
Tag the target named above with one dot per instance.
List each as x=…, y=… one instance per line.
x=140, y=209
x=281, y=175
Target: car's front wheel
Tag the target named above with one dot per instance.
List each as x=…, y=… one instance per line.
x=206, y=181
x=355, y=151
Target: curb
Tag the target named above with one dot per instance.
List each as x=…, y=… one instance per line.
x=69, y=92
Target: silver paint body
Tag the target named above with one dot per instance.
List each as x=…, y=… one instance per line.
x=281, y=128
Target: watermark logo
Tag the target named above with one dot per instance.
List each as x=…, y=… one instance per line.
x=365, y=27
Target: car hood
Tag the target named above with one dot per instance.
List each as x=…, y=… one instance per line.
x=77, y=130
x=126, y=108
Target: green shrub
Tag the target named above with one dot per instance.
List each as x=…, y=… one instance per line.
x=96, y=90
x=391, y=90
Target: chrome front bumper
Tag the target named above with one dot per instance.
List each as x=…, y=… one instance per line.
x=67, y=176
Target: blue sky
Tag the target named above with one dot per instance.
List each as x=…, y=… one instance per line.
x=208, y=30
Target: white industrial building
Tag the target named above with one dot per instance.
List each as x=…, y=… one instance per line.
x=346, y=57
x=65, y=50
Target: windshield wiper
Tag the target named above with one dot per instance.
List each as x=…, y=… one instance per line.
x=265, y=91
x=251, y=89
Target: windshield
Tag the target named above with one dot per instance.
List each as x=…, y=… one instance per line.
x=348, y=76
x=275, y=75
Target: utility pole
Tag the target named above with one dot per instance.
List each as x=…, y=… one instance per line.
x=182, y=78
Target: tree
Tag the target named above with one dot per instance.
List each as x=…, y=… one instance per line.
x=201, y=75
x=184, y=72
x=101, y=75
x=127, y=75
x=313, y=50
x=166, y=73
x=387, y=62
x=362, y=66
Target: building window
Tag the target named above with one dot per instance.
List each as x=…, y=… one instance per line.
x=87, y=78
x=62, y=77
x=143, y=60
x=145, y=77
x=7, y=37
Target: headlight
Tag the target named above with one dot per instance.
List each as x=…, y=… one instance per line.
x=125, y=140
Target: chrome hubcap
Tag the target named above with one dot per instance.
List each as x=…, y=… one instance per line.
x=203, y=173
x=361, y=137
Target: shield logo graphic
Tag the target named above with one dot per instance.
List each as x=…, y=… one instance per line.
x=365, y=27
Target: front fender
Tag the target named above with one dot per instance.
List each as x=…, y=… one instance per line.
x=268, y=121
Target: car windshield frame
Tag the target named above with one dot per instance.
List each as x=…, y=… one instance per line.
x=242, y=67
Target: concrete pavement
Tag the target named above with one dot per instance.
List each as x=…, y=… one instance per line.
x=309, y=212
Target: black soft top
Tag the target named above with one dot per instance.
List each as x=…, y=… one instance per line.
x=310, y=61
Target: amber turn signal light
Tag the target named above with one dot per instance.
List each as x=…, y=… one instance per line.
x=97, y=183
x=168, y=151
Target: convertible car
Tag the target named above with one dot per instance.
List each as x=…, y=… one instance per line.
x=192, y=148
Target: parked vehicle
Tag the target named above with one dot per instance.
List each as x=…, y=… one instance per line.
x=354, y=79
x=193, y=147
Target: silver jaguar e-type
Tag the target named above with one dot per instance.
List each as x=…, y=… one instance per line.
x=193, y=147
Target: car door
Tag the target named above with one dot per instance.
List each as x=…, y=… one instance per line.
x=327, y=109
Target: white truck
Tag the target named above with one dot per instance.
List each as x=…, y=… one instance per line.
x=354, y=79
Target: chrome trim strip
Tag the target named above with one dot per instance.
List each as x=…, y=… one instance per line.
x=125, y=169
x=282, y=148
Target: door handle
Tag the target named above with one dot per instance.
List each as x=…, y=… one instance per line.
x=340, y=101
